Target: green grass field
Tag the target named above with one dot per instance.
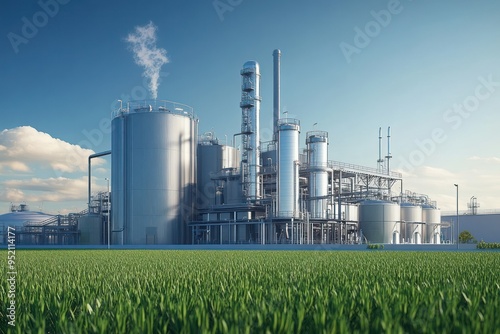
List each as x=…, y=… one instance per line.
x=158, y=291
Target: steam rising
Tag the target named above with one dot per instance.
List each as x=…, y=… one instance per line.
x=146, y=54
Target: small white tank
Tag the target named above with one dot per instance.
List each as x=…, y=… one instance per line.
x=379, y=221
x=411, y=223
x=432, y=218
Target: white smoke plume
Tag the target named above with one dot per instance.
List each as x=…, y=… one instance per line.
x=146, y=54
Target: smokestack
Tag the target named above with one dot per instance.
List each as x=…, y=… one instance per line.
x=277, y=91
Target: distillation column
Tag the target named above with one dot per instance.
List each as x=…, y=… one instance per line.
x=317, y=152
x=250, y=114
x=288, y=167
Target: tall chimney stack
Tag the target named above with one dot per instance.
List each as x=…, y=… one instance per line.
x=277, y=91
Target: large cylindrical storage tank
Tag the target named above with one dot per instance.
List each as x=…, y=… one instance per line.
x=153, y=179
x=317, y=153
x=432, y=220
x=379, y=221
x=411, y=223
x=288, y=167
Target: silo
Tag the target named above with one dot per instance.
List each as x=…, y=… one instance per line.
x=317, y=153
x=153, y=172
x=411, y=223
x=431, y=217
x=379, y=221
x=288, y=167
x=250, y=118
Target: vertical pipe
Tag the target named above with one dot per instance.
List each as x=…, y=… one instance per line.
x=109, y=212
x=96, y=155
x=380, y=161
x=262, y=233
x=388, y=150
x=90, y=189
x=388, y=160
x=322, y=239
x=296, y=204
x=458, y=222
x=276, y=110
x=339, y=217
x=277, y=91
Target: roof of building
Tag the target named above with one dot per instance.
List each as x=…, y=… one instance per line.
x=18, y=218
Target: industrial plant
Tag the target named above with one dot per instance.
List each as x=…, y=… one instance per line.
x=171, y=185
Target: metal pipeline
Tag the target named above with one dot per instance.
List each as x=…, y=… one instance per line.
x=92, y=156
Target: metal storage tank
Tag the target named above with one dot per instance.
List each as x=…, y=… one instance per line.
x=411, y=223
x=317, y=152
x=269, y=158
x=288, y=167
x=20, y=215
x=91, y=230
x=232, y=190
x=352, y=212
x=153, y=172
x=431, y=217
x=250, y=118
x=214, y=161
x=379, y=221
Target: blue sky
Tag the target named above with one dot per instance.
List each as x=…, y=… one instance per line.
x=429, y=70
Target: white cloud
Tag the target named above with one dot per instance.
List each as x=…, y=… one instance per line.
x=434, y=172
x=483, y=182
x=40, y=190
x=100, y=170
x=28, y=159
x=11, y=195
x=23, y=148
x=17, y=166
x=487, y=159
